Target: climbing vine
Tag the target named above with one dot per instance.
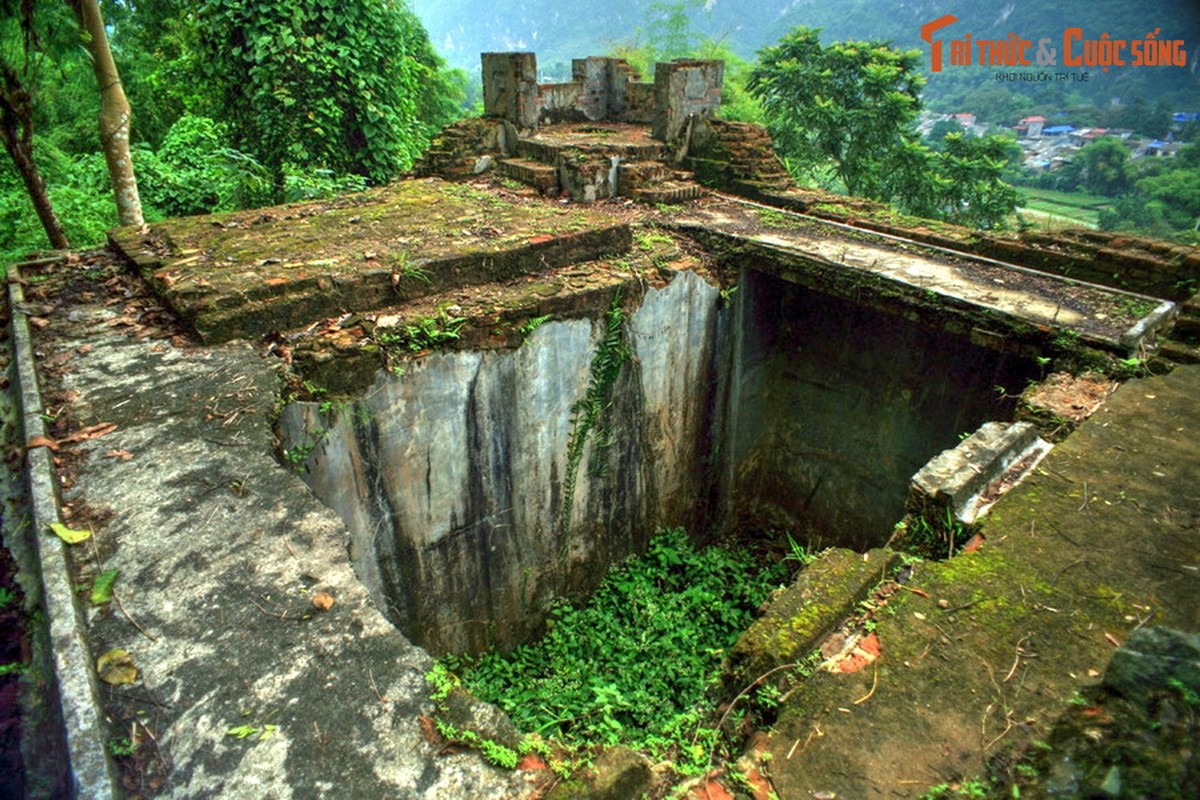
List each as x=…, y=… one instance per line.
x=588, y=416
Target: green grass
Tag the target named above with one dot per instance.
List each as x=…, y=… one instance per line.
x=1075, y=207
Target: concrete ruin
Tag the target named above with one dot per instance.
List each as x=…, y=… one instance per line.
x=788, y=360
x=605, y=134
x=602, y=89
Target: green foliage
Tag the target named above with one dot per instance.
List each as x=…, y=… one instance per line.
x=350, y=87
x=7, y=596
x=492, y=751
x=637, y=663
x=589, y=414
x=195, y=171
x=851, y=108
x=932, y=536
x=428, y=332
x=122, y=746
x=1105, y=167
x=850, y=103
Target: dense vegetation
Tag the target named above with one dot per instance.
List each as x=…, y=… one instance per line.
x=235, y=104
x=638, y=663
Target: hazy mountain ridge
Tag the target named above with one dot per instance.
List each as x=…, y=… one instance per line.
x=461, y=29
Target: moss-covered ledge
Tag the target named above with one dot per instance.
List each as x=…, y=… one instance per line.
x=803, y=614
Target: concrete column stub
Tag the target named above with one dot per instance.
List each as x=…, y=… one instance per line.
x=510, y=88
x=684, y=88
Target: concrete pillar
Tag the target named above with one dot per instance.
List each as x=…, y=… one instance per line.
x=683, y=88
x=510, y=89
x=592, y=72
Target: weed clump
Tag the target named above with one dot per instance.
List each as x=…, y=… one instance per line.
x=636, y=664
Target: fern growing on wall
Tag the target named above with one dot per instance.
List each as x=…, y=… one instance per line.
x=589, y=417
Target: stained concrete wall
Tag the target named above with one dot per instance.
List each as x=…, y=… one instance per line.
x=683, y=89
x=834, y=406
x=601, y=88
x=451, y=476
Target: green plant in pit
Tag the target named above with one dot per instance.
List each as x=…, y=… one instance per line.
x=637, y=663
x=296, y=455
x=492, y=751
x=726, y=294
x=588, y=415
x=15, y=667
x=7, y=596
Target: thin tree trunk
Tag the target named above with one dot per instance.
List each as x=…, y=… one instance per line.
x=114, y=113
x=16, y=129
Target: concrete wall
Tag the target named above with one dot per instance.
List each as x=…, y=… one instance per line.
x=601, y=88
x=792, y=410
x=835, y=406
x=451, y=477
x=682, y=89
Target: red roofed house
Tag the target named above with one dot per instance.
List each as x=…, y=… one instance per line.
x=1032, y=126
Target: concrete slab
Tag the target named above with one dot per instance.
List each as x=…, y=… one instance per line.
x=245, y=687
x=1102, y=539
x=853, y=263
x=249, y=273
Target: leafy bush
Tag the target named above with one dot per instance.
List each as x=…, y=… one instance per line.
x=636, y=663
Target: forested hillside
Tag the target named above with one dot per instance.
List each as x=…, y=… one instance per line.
x=559, y=30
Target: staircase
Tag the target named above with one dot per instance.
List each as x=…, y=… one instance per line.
x=595, y=162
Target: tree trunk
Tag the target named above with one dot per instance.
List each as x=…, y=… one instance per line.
x=16, y=129
x=114, y=112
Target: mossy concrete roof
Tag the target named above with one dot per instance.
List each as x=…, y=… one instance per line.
x=248, y=273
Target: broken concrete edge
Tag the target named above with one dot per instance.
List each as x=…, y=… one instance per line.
x=799, y=617
x=90, y=772
x=1134, y=339
x=959, y=477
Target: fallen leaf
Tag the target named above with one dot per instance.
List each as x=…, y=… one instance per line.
x=124, y=455
x=1112, y=640
x=69, y=535
x=102, y=587
x=545, y=237
x=116, y=667
x=323, y=600
x=39, y=322
x=90, y=432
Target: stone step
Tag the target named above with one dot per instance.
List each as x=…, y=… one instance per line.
x=668, y=192
x=542, y=177
x=633, y=175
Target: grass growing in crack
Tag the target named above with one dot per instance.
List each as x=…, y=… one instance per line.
x=427, y=333
x=637, y=665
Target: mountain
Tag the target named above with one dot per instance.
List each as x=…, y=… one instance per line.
x=559, y=30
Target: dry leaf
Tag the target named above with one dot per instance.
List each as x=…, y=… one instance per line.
x=39, y=322
x=323, y=600
x=41, y=441
x=124, y=455
x=116, y=667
